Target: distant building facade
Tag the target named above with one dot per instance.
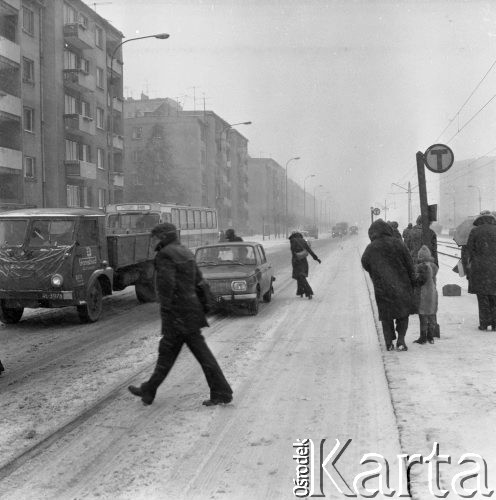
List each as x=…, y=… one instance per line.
x=55, y=74
x=466, y=188
x=197, y=159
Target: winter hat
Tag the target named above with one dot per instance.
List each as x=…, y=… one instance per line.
x=485, y=217
x=164, y=230
x=230, y=233
x=424, y=254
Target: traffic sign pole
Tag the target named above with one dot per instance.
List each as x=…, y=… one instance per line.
x=424, y=208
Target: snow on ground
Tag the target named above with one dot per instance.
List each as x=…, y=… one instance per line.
x=300, y=369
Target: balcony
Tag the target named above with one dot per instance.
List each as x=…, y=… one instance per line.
x=79, y=80
x=118, y=179
x=10, y=104
x=78, y=36
x=78, y=123
x=116, y=68
x=80, y=169
x=118, y=105
x=10, y=158
x=118, y=142
x=10, y=50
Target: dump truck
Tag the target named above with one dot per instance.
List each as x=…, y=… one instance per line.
x=57, y=257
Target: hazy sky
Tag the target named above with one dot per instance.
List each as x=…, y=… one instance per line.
x=355, y=88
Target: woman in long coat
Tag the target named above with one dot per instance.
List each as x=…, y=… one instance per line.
x=300, y=265
x=391, y=270
x=481, y=268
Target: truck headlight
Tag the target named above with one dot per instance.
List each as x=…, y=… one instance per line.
x=238, y=286
x=57, y=280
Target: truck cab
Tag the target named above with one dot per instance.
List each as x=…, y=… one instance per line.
x=53, y=258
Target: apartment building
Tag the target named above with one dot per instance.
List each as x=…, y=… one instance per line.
x=187, y=157
x=58, y=60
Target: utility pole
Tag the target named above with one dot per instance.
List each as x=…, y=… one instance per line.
x=409, y=192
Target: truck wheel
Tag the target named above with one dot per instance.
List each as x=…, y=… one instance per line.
x=91, y=311
x=145, y=292
x=10, y=315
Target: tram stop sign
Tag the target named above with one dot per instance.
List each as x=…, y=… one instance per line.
x=438, y=158
x=376, y=211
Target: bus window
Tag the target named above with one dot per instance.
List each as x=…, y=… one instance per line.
x=214, y=218
x=209, y=219
x=203, y=218
x=166, y=217
x=183, y=220
x=175, y=217
x=197, y=219
x=191, y=219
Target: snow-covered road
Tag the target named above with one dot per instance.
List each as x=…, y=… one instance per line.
x=300, y=369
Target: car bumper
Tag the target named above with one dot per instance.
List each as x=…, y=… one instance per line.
x=234, y=298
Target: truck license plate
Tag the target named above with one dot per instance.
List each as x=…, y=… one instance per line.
x=52, y=295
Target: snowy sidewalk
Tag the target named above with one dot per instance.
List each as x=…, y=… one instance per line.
x=445, y=392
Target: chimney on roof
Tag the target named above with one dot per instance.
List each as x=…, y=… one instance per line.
x=144, y=97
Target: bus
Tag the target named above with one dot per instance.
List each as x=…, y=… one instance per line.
x=197, y=226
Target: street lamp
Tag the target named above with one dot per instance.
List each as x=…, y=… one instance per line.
x=286, y=200
x=160, y=36
x=480, y=196
x=314, y=189
x=305, y=197
x=217, y=173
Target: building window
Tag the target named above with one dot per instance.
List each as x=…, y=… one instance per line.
x=85, y=153
x=87, y=198
x=27, y=70
x=100, y=118
x=138, y=155
x=84, y=65
x=28, y=20
x=73, y=199
x=101, y=198
x=99, y=78
x=71, y=150
x=29, y=167
x=83, y=21
x=70, y=60
x=28, y=119
x=85, y=109
x=70, y=105
x=137, y=133
x=70, y=14
x=100, y=158
x=98, y=37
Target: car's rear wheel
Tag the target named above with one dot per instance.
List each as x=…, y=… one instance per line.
x=10, y=315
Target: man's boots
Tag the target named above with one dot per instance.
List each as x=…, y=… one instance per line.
x=422, y=339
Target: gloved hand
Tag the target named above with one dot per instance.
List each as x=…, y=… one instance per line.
x=319, y=261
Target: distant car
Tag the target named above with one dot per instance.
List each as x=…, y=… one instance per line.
x=354, y=230
x=238, y=273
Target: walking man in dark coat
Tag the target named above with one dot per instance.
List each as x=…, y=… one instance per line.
x=481, y=267
x=177, y=276
x=391, y=270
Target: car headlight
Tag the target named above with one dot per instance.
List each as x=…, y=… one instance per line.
x=57, y=280
x=238, y=286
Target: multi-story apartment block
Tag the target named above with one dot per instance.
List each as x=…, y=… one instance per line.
x=57, y=61
x=187, y=157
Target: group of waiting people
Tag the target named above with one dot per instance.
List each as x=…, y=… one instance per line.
x=404, y=277
x=403, y=271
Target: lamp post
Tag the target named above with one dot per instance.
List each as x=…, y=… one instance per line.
x=160, y=36
x=480, y=196
x=217, y=173
x=286, y=197
x=314, y=219
x=305, y=197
